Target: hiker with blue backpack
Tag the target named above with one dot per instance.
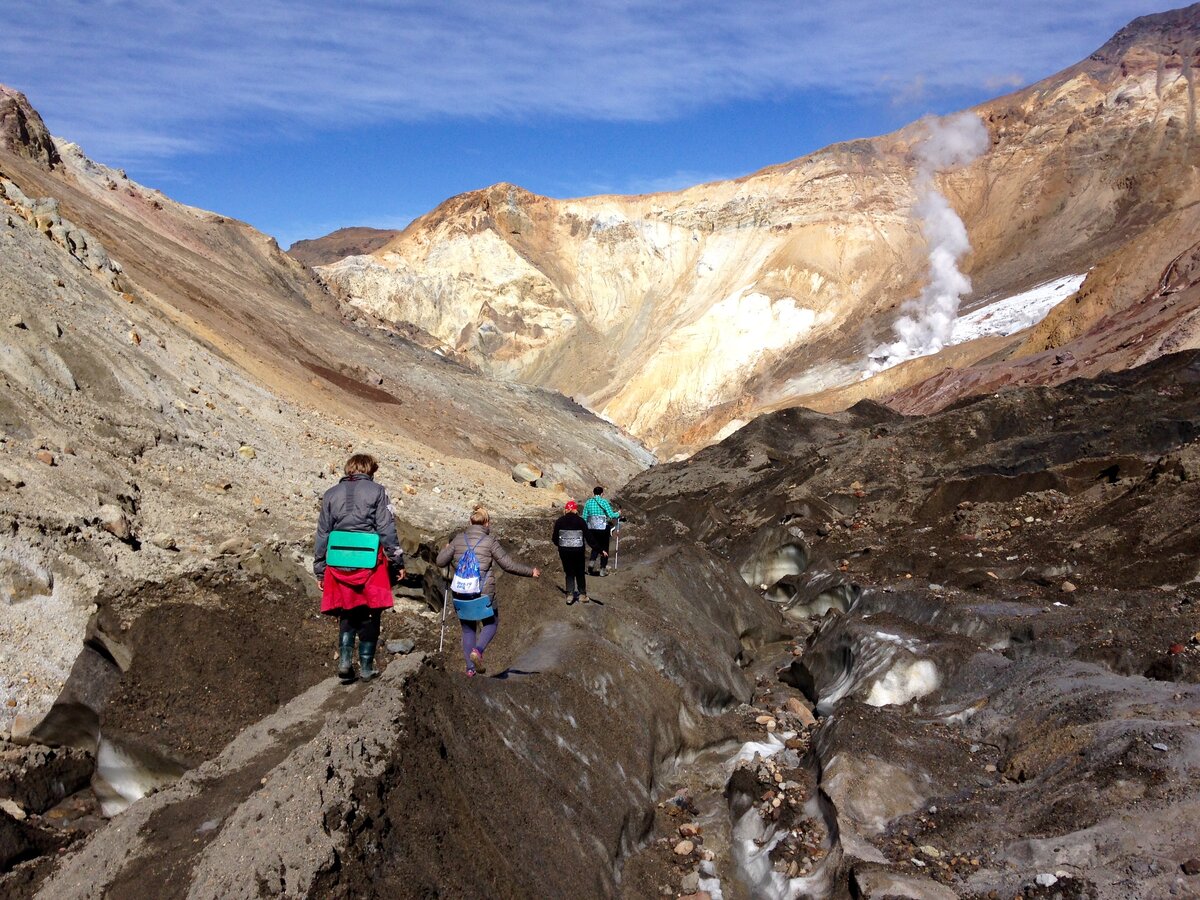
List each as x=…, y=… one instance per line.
x=475, y=553
x=356, y=557
x=600, y=517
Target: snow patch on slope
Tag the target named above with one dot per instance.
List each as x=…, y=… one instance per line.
x=1003, y=317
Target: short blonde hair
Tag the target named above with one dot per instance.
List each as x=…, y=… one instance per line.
x=479, y=515
x=362, y=464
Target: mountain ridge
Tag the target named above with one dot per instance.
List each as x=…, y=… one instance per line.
x=522, y=285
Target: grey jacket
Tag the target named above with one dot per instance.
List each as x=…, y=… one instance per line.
x=488, y=551
x=357, y=503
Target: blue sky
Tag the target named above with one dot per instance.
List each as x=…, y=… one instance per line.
x=302, y=116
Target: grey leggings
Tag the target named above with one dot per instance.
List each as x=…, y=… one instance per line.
x=478, y=640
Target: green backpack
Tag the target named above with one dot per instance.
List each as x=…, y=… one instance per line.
x=352, y=550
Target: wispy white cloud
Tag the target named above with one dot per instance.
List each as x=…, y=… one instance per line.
x=145, y=78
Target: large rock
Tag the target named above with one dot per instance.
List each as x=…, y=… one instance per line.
x=526, y=473
x=114, y=520
x=22, y=130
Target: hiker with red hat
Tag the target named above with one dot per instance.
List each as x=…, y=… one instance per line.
x=568, y=538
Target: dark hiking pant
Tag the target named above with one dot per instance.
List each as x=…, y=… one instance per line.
x=573, y=563
x=598, y=541
x=362, y=620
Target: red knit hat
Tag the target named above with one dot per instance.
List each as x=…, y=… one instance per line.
x=571, y=506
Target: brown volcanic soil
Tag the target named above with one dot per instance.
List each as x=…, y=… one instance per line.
x=945, y=541
x=209, y=662
x=1037, y=547
x=354, y=241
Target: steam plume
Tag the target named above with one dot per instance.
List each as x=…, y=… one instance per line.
x=925, y=327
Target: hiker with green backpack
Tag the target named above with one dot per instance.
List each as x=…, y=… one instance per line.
x=600, y=517
x=473, y=587
x=356, y=556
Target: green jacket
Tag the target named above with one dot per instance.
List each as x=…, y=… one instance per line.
x=598, y=506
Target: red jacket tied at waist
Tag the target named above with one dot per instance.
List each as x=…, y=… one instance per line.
x=348, y=588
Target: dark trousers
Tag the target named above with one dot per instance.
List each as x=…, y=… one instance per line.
x=573, y=563
x=362, y=620
x=598, y=541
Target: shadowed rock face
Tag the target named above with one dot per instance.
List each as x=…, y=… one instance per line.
x=715, y=303
x=22, y=130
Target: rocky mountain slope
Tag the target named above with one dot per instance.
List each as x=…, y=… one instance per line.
x=339, y=244
x=675, y=314
x=177, y=393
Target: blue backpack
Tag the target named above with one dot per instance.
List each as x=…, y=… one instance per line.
x=467, y=579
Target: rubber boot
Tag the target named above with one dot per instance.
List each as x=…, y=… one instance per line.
x=346, y=659
x=366, y=661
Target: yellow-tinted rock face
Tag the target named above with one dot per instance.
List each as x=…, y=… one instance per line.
x=718, y=301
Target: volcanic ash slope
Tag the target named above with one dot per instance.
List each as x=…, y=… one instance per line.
x=681, y=311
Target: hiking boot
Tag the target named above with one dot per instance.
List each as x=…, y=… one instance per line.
x=470, y=673
x=603, y=573
x=346, y=658
x=572, y=600
x=584, y=598
x=366, y=661
x=477, y=661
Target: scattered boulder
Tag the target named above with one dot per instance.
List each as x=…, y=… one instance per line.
x=13, y=809
x=684, y=848
x=163, y=541
x=115, y=522
x=235, y=546
x=19, y=580
x=690, y=883
x=526, y=473
x=1191, y=867
x=254, y=564
x=1068, y=587
x=796, y=707
x=45, y=456
x=404, y=645
x=246, y=452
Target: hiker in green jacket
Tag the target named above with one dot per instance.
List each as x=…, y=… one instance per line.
x=599, y=516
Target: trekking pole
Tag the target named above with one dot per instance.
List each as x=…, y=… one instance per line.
x=616, y=544
x=445, y=603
